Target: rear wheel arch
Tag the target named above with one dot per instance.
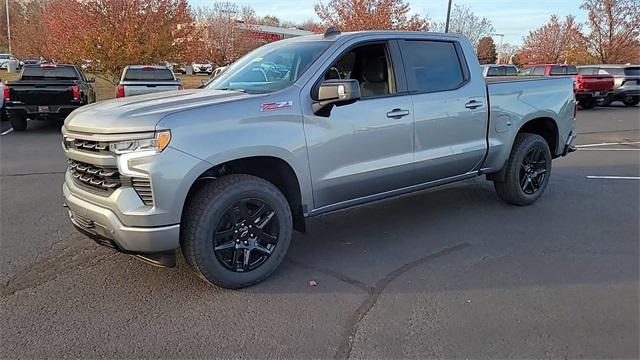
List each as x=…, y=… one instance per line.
x=272, y=169
x=543, y=126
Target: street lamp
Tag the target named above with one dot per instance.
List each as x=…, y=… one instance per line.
x=6, y=4
x=446, y=24
x=500, y=46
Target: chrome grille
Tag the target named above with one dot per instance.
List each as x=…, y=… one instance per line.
x=143, y=188
x=105, y=179
x=89, y=145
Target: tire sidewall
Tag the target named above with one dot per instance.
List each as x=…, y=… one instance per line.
x=524, y=147
x=206, y=260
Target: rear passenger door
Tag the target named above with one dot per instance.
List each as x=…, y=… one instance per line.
x=449, y=107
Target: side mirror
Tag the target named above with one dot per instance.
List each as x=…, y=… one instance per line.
x=334, y=92
x=91, y=80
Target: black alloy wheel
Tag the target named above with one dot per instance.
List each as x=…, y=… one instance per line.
x=533, y=171
x=246, y=235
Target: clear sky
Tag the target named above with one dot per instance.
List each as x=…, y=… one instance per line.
x=514, y=18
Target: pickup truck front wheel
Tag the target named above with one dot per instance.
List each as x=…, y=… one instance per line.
x=527, y=172
x=236, y=230
x=18, y=122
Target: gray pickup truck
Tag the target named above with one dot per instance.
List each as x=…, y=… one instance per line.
x=299, y=128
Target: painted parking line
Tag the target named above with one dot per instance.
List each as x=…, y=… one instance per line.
x=613, y=177
x=607, y=144
x=607, y=149
x=6, y=132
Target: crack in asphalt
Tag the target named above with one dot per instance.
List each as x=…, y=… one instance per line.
x=374, y=292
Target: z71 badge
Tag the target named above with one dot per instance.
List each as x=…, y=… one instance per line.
x=276, y=105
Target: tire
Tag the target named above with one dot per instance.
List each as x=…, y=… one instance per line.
x=18, y=122
x=517, y=188
x=214, y=210
x=587, y=104
x=631, y=100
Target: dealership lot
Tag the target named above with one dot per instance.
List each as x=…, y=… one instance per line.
x=451, y=273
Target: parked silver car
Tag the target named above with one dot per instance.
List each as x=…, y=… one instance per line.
x=146, y=79
x=299, y=128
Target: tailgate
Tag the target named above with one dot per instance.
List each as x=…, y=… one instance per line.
x=41, y=94
x=139, y=88
x=597, y=82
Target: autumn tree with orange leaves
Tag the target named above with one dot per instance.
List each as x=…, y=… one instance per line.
x=555, y=42
x=615, y=30
x=354, y=15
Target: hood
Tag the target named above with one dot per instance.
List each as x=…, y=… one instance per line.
x=142, y=113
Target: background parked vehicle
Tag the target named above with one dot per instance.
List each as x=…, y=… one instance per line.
x=46, y=91
x=31, y=61
x=6, y=59
x=146, y=79
x=298, y=128
x=218, y=71
x=202, y=67
x=626, y=86
x=499, y=70
x=3, y=111
x=592, y=88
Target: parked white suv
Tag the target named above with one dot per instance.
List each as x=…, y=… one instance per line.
x=201, y=67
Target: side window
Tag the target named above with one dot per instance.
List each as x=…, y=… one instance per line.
x=370, y=65
x=511, y=71
x=431, y=65
x=493, y=71
x=539, y=70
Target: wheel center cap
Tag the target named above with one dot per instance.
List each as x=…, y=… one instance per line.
x=244, y=230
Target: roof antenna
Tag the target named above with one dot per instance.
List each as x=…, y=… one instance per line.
x=331, y=31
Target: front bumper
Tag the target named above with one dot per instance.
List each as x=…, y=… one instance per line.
x=626, y=90
x=102, y=224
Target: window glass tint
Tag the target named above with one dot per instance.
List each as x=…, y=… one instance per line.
x=588, y=71
x=49, y=72
x=369, y=65
x=539, y=70
x=148, y=74
x=510, y=71
x=632, y=71
x=495, y=71
x=525, y=71
x=270, y=68
x=431, y=65
x=558, y=70
x=571, y=70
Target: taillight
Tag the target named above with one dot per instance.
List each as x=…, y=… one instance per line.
x=120, y=92
x=76, y=92
x=6, y=91
x=579, y=83
x=180, y=87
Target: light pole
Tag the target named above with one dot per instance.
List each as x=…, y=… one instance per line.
x=446, y=24
x=6, y=5
x=500, y=46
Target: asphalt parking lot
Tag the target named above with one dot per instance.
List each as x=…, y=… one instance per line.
x=449, y=273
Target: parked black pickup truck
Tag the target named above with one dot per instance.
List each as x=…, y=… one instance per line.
x=46, y=91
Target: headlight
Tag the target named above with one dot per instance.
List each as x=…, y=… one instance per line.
x=158, y=143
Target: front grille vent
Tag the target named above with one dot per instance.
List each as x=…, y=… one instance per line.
x=89, y=145
x=83, y=222
x=143, y=188
x=106, y=179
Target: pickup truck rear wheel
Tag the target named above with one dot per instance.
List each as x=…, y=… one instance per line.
x=236, y=230
x=631, y=100
x=527, y=172
x=18, y=122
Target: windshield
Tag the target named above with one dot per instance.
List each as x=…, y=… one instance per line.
x=270, y=68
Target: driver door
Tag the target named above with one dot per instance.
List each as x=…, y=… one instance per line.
x=365, y=148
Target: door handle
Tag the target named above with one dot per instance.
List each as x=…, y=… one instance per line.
x=397, y=113
x=473, y=104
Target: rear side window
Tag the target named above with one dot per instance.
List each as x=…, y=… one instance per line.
x=431, y=65
x=148, y=74
x=633, y=71
x=511, y=71
x=588, y=71
x=558, y=70
x=539, y=70
x=571, y=70
x=49, y=73
x=495, y=71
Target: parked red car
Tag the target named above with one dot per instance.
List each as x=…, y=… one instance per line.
x=590, y=88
